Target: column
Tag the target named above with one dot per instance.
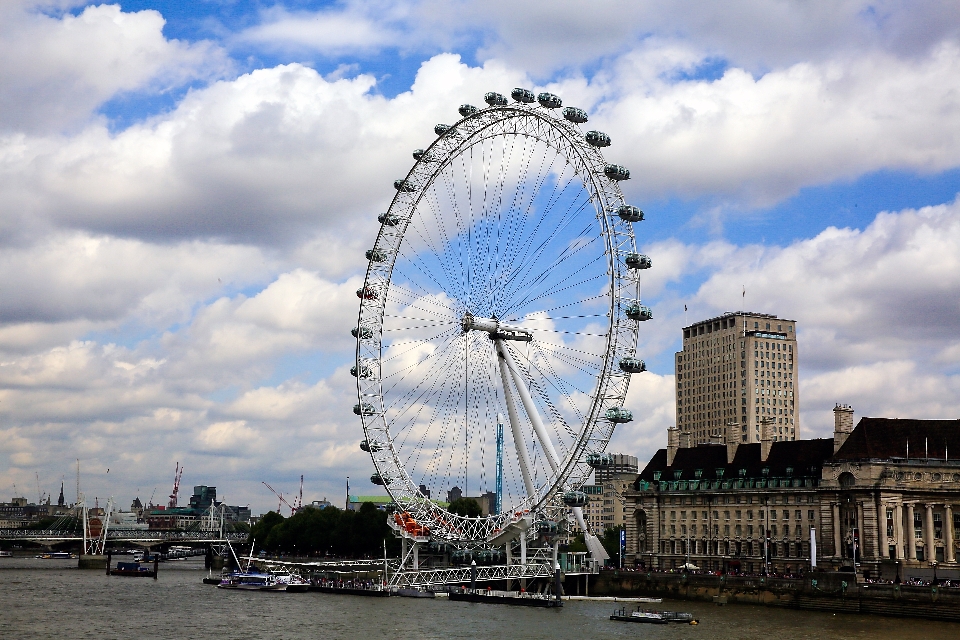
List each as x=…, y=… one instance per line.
x=948, y=534
x=837, y=543
x=882, y=531
x=898, y=529
x=930, y=553
x=909, y=535
x=862, y=541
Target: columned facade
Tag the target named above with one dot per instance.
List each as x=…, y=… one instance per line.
x=884, y=516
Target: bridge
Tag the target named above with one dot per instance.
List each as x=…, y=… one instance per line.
x=145, y=538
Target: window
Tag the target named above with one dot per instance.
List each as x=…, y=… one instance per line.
x=810, y=516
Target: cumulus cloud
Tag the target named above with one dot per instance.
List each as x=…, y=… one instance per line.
x=57, y=69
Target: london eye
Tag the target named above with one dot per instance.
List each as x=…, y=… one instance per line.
x=503, y=289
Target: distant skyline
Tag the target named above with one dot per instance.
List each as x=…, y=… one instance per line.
x=187, y=190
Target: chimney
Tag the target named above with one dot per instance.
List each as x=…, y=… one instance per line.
x=673, y=443
x=686, y=440
x=732, y=431
x=842, y=425
x=766, y=438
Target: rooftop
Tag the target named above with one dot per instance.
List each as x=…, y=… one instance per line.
x=880, y=438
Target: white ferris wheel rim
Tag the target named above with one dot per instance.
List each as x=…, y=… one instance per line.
x=606, y=198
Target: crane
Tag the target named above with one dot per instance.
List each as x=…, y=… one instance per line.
x=283, y=501
x=177, y=474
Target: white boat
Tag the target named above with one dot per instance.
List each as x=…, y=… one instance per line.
x=252, y=582
x=292, y=580
x=6, y=554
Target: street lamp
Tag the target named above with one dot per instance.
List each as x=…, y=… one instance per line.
x=934, y=563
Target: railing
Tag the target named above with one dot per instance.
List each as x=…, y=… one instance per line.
x=461, y=575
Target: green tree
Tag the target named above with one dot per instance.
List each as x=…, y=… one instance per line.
x=611, y=542
x=263, y=528
x=577, y=544
x=465, y=507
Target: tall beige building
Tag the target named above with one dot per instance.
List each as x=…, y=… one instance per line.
x=735, y=372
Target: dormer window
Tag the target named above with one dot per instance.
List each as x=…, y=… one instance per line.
x=656, y=475
x=743, y=473
x=698, y=473
x=765, y=471
x=677, y=474
x=789, y=471
x=719, y=472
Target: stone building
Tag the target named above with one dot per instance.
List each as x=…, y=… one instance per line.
x=860, y=500
x=735, y=372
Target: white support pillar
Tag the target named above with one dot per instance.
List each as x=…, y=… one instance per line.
x=552, y=458
x=416, y=556
x=515, y=425
x=523, y=549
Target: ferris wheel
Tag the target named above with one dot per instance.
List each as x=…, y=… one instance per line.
x=498, y=319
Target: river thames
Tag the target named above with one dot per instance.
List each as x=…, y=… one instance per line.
x=52, y=599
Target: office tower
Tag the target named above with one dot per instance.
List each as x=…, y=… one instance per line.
x=735, y=372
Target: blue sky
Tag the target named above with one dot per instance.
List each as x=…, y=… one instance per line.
x=188, y=188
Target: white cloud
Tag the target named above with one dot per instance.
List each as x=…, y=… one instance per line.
x=56, y=70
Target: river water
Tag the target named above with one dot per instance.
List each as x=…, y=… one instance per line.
x=53, y=599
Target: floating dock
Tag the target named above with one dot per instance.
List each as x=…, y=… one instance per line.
x=506, y=597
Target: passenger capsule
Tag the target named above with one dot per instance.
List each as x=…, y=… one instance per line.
x=616, y=172
x=549, y=100
x=364, y=332
x=577, y=116
x=380, y=480
x=370, y=447
x=599, y=460
x=629, y=213
x=548, y=527
x=417, y=154
x=597, y=138
x=441, y=129
x=619, y=415
x=494, y=99
x=574, y=498
x=638, y=261
x=523, y=95
x=363, y=371
x=367, y=293
x=388, y=219
x=467, y=110
x=461, y=556
x=639, y=312
x=365, y=409
x=633, y=365
x=404, y=185
x=375, y=255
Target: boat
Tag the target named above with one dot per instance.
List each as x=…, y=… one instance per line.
x=653, y=617
x=58, y=555
x=251, y=581
x=6, y=554
x=133, y=570
x=295, y=584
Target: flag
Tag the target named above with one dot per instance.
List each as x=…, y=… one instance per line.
x=684, y=308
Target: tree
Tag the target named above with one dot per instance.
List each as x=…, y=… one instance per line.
x=263, y=528
x=465, y=507
x=611, y=542
x=577, y=544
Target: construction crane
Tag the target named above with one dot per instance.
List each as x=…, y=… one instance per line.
x=299, y=502
x=283, y=501
x=177, y=474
